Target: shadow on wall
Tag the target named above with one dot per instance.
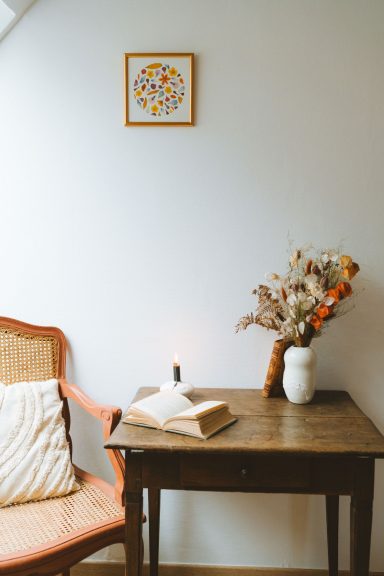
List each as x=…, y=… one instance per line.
x=88, y=451
x=350, y=350
x=284, y=518
x=86, y=432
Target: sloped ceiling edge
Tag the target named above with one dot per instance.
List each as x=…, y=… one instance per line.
x=10, y=13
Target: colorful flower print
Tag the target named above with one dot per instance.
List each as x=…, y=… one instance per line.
x=159, y=89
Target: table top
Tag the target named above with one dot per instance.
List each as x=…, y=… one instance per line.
x=331, y=425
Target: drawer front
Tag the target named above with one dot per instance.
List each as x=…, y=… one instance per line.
x=237, y=472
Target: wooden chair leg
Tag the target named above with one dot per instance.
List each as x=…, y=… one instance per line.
x=154, y=529
x=332, y=508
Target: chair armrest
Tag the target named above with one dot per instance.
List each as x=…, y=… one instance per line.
x=110, y=417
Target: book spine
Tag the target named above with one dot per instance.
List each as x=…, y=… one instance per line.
x=273, y=385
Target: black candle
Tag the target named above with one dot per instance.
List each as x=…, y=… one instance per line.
x=176, y=369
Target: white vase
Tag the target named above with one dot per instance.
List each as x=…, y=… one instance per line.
x=299, y=378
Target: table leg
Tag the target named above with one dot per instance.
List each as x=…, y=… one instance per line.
x=332, y=507
x=154, y=529
x=361, y=517
x=133, y=513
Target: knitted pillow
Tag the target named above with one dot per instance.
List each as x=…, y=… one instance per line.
x=35, y=460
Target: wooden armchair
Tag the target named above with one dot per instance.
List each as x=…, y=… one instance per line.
x=47, y=537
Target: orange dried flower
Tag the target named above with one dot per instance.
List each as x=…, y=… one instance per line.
x=323, y=310
x=351, y=271
x=284, y=294
x=345, y=261
x=308, y=267
x=316, y=322
x=334, y=293
x=344, y=289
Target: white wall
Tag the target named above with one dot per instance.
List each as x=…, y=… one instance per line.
x=142, y=241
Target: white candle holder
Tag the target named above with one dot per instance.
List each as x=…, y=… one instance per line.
x=180, y=387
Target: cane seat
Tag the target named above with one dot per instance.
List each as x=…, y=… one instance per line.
x=24, y=528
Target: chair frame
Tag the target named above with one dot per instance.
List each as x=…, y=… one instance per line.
x=57, y=556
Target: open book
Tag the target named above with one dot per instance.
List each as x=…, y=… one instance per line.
x=173, y=412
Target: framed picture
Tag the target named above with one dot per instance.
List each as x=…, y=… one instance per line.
x=158, y=89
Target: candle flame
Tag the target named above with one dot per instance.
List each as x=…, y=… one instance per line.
x=176, y=360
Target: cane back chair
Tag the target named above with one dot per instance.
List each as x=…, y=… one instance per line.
x=48, y=537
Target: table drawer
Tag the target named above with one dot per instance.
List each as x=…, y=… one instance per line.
x=237, y=472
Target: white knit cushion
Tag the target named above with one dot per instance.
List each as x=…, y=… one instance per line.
x=35, y=460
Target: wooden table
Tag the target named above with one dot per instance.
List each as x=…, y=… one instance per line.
x=326, y=447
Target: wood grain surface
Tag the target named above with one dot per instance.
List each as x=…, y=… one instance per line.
x=331, y=424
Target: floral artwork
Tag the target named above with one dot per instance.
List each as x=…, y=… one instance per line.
x=300, y=303
x=159, y=89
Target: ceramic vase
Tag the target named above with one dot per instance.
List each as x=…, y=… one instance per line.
x=299, y=378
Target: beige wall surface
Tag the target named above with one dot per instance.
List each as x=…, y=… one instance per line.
x=139, y=242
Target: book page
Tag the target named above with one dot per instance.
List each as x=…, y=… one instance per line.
x=198, y=411
x=160, y=406
x=202, y=429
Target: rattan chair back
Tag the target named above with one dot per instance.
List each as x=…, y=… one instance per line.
x=30, y=353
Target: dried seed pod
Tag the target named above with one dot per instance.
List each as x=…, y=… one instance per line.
x=324, y=282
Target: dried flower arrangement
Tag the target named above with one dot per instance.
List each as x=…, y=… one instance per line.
x=313, y=291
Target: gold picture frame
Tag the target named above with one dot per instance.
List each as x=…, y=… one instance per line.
x=158, y=89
